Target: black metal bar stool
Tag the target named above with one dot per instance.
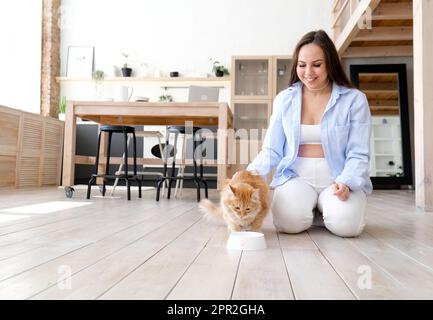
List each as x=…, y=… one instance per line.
x=197, y=177
x=125, y=130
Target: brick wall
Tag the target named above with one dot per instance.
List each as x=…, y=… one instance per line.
x=50, y=64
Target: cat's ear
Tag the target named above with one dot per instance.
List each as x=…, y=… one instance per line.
x=255, y=195
x=232, y=188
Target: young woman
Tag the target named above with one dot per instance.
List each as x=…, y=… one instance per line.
x=318, y=140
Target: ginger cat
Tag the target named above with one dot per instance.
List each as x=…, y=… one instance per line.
x=244, y=202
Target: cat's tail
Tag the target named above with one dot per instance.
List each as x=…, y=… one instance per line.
x=212, y=212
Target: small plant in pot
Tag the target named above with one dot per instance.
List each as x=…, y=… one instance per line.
x=62, y=108
x=165, y=98
x=98, y=77
x=219, y=70
x=126, y=71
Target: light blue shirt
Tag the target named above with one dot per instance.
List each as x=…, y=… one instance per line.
x=345, y=130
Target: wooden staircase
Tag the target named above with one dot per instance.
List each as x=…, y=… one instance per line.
x=382, y=93
x=373, y=28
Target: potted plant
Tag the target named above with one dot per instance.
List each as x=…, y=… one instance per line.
x=62, y=108
x=219, y=70
x=165, y=98
x=126, y=71
x=98, y=77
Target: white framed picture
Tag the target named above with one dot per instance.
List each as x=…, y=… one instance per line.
x=80, y=62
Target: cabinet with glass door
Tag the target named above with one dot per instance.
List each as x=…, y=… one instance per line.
x=251, y=100
x=256, y=80
x=251, y=77
x=282, y=66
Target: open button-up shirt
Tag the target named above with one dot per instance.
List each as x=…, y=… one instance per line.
x=345, y=130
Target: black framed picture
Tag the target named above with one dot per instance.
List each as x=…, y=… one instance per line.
x=385, y=86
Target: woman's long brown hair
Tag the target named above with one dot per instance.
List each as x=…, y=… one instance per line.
x=333, y=63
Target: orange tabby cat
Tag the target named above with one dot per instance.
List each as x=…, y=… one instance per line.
x=244, y=202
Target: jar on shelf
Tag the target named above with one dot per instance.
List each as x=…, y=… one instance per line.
x=282, y=70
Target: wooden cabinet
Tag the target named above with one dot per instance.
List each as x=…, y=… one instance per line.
x=30, y=149
x=256, y=80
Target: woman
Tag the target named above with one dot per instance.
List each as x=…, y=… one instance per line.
x=318, y=140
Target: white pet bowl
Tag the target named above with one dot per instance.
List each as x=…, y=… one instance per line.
x=246, y=240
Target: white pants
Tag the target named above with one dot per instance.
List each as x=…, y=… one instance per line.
x=294, y=202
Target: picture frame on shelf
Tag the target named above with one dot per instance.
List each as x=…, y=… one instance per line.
x=80, y=62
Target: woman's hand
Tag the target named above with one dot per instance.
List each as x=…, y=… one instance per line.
x=341, y=191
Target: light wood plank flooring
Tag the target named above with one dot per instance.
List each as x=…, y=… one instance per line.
x=109, y=248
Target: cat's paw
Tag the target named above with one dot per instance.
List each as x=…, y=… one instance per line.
x=235, y=229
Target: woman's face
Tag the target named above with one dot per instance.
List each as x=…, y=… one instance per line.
x=311, y=68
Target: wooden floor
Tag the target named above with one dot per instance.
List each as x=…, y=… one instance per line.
x=114, y=249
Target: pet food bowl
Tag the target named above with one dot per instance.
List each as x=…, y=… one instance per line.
x=246, y=240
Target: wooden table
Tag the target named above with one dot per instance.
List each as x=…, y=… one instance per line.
x=144, y=113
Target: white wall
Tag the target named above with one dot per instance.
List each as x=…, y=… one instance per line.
x=20, y=54
x=164, y=34
x=183, y=35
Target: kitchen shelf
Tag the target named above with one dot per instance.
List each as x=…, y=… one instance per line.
x=178, y=82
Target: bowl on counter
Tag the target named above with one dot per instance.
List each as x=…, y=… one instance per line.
x=141, y=99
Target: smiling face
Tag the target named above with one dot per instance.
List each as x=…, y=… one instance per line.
x=311, y=67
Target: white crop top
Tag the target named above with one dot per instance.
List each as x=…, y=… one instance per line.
x=310, y=134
